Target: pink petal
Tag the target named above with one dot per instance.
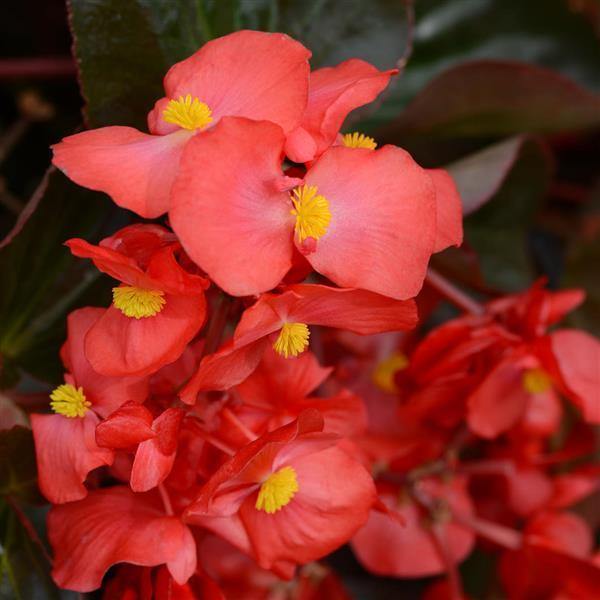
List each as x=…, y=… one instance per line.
x=383, y=220
x=272, y=85
x=333, y=93
x=246, y=223
x=135, y=169
x=449, y=230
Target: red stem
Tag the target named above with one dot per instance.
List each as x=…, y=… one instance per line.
x=233, y=419
x=29, y=528
x=453, y=294
x=37, y=68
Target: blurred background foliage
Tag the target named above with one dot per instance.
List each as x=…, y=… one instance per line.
x=503, y=93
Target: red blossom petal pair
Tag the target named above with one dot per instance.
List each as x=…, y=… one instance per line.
x=157, y=310
x=354, y=214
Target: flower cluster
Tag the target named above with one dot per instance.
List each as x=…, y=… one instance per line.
x=197, y=437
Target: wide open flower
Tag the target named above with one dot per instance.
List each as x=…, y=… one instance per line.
x=115, y=525
x=363, y=218
x=248, y=74
x=65, y=444
x=289, y=497
x=333, y=92
x=156, y=311
x=283, y=321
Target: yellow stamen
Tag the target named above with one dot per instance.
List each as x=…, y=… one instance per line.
x=358, y=140
x=188, y=113
x=69, y=401
x=383, y=375
x=292, y=339
x=311, y=211
x=138, y=303
x=277, y=490
x=536, y=381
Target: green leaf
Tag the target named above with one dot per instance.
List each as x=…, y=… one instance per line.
x=40, y=281
x=124, y=48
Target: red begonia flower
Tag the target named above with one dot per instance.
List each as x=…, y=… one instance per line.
x=333, y=92
x=137, y=169
x=387, y=547
x=288, y=315
x=65, y=443
x=363, y=218
x=154, y=457
x=270, y=499
x=156, y=311
x=117, y=526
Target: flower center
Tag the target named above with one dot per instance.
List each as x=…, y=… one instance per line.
x=69, y=401
x=358, y=140
x=138, y=303
x=188, y=113
x=292, y=339
x=277, y=490
x=536, y=381
x=311, y=211
x=383, y=375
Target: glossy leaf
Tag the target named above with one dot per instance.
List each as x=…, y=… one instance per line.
x=494, y=98
x=40, y=281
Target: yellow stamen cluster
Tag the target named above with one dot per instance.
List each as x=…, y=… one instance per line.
x=69, y=401
x=383, y=375
x=138, y=303
x=292, y=339
x=536, y=381
x=188, y=113
x=277, y=490
x=358, y=140
x=311, y=211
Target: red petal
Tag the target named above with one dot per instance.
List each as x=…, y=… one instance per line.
x=498, y=403
x=126, y=427
x=577, y=355
x=118, y=345
x=111, y=526
x=155, y=457
x=66, y=452
x=106, y=394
